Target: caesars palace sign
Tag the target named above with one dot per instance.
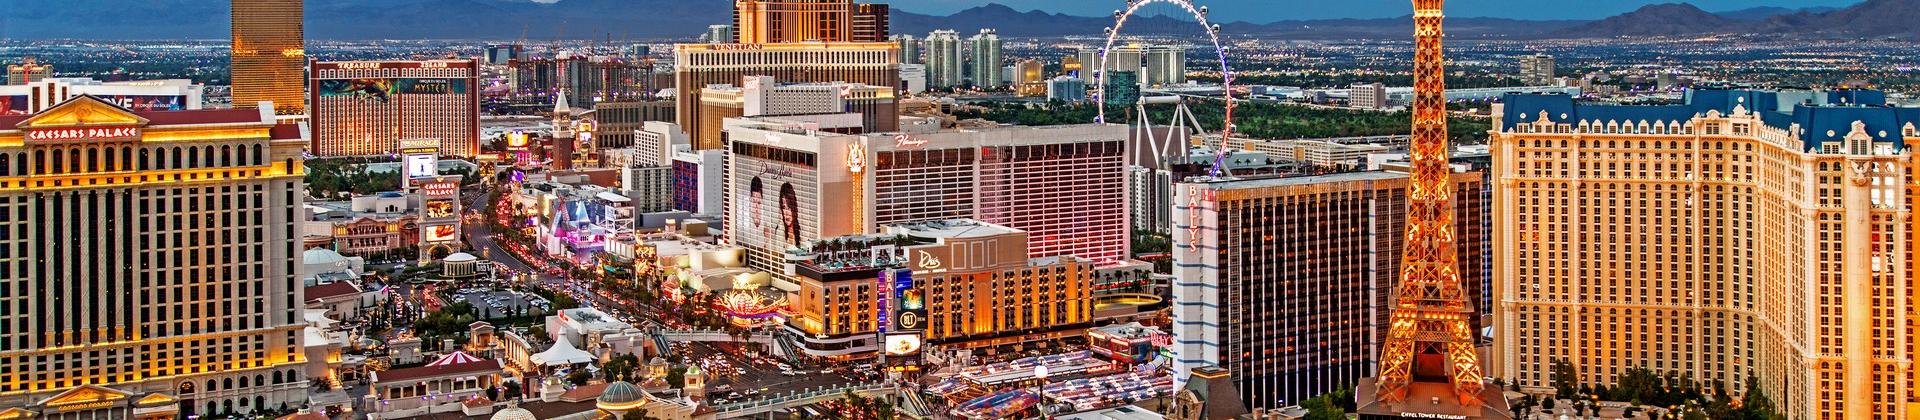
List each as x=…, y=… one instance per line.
x=83, y=133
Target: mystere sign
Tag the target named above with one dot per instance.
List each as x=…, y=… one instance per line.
x=83, y=133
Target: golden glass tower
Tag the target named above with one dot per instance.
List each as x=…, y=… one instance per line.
x=1432, y=317
x=269, y=55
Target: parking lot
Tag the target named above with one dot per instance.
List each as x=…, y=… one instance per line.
x=494, y=304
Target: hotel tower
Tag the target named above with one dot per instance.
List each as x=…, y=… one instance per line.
x=1745, y=233
x=269, y=55
x=147, y=263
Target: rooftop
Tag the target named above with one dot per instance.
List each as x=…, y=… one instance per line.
x=423, y=372
x=1252, y=183
x=951, y=228
x=1821, y=116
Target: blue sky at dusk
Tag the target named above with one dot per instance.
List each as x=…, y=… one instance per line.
x=1260, y=11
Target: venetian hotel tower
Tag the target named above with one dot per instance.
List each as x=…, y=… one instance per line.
x=1743, y=233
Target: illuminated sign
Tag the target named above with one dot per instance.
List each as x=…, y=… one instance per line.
x=440, y=233
x=440, y=188
x=422, y=166
x=419, y=145
x=517, y=140
x=1194, y=195
x=83, y=133
x=736, y=47
x=438, y=209
x=902, y=344
x=856, y=157
x=908, y=304
x=903, y=140
x=928, y=261
x=1413, y=415
x=358, y=65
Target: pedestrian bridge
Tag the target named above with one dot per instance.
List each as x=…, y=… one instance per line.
x=663, y=336
x=776, y=402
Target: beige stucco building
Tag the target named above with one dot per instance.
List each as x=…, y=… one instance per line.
x=1745, y=233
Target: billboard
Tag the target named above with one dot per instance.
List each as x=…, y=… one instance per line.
x=148, y=102
x=422, y=166
x=440, y=233
x=903, y=344
x=382, y=89
x=13, y=105
x=438, y=208
x=908, y=303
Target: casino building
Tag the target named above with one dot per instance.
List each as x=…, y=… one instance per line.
x=1743, y=234
x=698, y=65
x=185, y=224
x=362, y=108
x=960, y=282
x=1285, y=282
x=1062, y=185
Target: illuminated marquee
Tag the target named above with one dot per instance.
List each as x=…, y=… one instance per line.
x=440, y=188
x=1194, y=197
x=903, y=140
x=856, y=157
x=83, y=133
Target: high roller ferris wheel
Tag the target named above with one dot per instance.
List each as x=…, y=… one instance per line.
x=1199, y=14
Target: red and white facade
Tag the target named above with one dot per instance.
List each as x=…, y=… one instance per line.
x=362, y=108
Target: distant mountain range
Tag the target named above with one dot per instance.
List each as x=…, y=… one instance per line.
x=1871, y=18
x=661, y=19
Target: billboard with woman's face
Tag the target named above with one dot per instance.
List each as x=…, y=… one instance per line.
x=789, y=214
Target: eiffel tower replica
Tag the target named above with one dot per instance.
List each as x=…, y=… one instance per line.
x=1428, y=365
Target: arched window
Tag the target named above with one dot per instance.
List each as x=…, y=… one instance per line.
x=176, y=159
x=4, y=165
x=20, y=163
x=257, y=158
x=276, y=377
x=126, y=158
x=226, y=384
x=207, y=160
x=226, y=156
x=210, y=387
x=145, y=159
x=93, y=159
x=193, y=156
x=73, y=160
x=243, y=382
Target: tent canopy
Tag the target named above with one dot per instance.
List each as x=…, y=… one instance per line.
x=562, y=353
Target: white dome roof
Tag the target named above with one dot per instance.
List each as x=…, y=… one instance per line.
x=321, y=256
x=513, y=413
x=460, y=257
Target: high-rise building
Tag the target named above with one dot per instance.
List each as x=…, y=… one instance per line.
x=909, y=49
x=1063, y=185
x=614, y=123
x=697, y=179
x=1029, y=78
x=913, y=78
x=1536, y=69
x=985, y=59
x=869, y=23
x=719, y=34
x=699, y=65
x=780, y=21
x=1066, y=89
x=1124, y=58
x=28, y=71
x=1166, y=64
x=269, y=55
x=1367, y=96
x=153, y=272
x=838, y=107
x=1757, y=235
x=363, y=108
x=501, y=54
x=1285, y=282
x=945, y=66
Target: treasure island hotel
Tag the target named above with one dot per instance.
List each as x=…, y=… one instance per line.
x=793, y=41
x=147, y=262
x=1742, y=234
x=363, y=108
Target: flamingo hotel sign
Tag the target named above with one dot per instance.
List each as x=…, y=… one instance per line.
x=83, y=133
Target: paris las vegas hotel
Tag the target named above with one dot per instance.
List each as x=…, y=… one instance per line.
x=146, y=262
x=1743, y=233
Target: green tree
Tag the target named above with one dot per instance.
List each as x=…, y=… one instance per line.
x=579, y=377
x=1565, y=380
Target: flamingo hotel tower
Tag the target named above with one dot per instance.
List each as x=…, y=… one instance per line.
x=148, y=263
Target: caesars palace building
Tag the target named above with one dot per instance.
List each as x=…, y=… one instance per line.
x=147, y=262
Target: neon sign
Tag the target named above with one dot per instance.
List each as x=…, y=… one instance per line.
x=1194, y=195
x=903, y=140
x=856, y=157
x=82, y=133
x=928, y=261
